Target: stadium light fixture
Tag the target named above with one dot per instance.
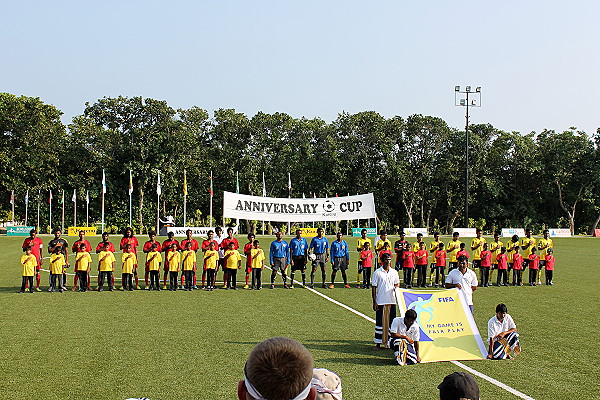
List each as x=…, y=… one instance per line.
x=464, y=102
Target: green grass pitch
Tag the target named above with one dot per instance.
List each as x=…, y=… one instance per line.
x=193, y=345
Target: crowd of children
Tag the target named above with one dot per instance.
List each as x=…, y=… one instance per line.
x=179, y=260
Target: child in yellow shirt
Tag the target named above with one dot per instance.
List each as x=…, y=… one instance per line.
x=153, y=260
x=57, y=268
x=188, y=266
x=258, y=264
x=173, y=260
x=28, y=264
x=211, y=258
x=82, y=266
x=106, y=266
x=232, y=260
x=129, y=262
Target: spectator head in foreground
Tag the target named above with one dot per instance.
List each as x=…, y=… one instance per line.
x=278, y=368
x=459, y=386
x=328, y=384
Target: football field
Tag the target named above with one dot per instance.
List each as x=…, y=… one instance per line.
x=193, y=345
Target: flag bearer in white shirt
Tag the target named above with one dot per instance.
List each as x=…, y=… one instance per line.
x=464, y=280
x=383, y=284
x=405, y=338
x=503, y=338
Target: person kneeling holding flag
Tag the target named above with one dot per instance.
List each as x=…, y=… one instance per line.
x=503, y=336
x=405, y=338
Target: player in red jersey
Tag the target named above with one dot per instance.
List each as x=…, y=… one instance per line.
x=147, y=249
x=129, y=238
x=195, y=247
x=166, y=248
x=76, y=248
x=225, y=246
x=100, y=247
x=247, y=250
x=36, y=249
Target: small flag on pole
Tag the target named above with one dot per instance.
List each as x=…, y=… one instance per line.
x=87, y=196
x=185, y=192
x=158, y=186
x=12, y=197
x=264, y=193
x=210, y=190
x=74, y=198
x=50, y=198
x=103, y=182
x=27, y=197
x=289, y=182
x=237, y=181
x=130, y=183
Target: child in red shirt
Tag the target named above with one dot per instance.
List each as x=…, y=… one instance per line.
x=549, y=266
x=517, y=267
x=386, y=250
x=366, y=256
x=502, y=261
x=247, y=250
x=408, y=263
x=440, y=264
x=462, y=252
x=486, y=264
x=421, y=256
x=534, y=267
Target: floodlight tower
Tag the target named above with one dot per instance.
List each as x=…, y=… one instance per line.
x=464, y=101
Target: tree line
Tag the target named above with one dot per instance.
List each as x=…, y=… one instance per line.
x=415, y=166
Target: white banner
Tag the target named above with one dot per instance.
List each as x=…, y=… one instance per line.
x=559, y=232
x=412, y=232
x=201, y=231
x=298, y=210
x=509, y=232
x=465, y=232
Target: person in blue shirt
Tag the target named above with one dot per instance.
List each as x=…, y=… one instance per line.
x=318, y=246
x=340, y=258
x=299, y=254
x=278, y=257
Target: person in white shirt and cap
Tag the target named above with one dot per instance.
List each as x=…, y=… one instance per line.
x=278, y=368
x=503, y=338
x=464, y=279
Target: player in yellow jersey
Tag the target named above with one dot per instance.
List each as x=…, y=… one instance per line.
x=495, y=248
x=57, y=269
x=416, y=246
x=83, y=260
x=510, y=252
x=153, y=260
x=188, y=265
x=433, y=247
x=173, y=260
x=360, y=245
x=211, y=260
x=543, y=245
x=526, y=244
x=452, y=248
x=233, y=261
x=106, y=261
x=476, y=247
x=129, y=262
x=28, y=265
x=258, y=264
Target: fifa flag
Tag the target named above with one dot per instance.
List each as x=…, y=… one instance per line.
x=448, y=330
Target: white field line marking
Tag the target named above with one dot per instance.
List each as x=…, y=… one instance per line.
x=457, y=363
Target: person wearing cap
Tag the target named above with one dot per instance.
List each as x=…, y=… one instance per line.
x=464, y=280
x=503, y=338
x=278, y=368
x=459, y=386
x=404, y=340
x=327, y=383
x=383, y=285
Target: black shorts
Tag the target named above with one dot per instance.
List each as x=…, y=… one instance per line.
x=340, y=263
x=299, y=263
x=476, y=264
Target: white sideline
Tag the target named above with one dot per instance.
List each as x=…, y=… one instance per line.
x=457, y=363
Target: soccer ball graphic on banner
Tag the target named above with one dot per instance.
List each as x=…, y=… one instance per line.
x=328, y=206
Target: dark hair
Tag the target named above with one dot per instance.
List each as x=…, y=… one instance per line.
x=150, y=233
x=436, y=233
x=256, y=242
x=503, y=248
x=29, y=247
x=32, y=231
x=419, y=234
x=104, y=233
x=251, y=235
x=410, y=314
x=477, y=230
x=455, y=234
x=82, y=246
x=501, y=308
x=441, y=245
x=515, y=238
x=363, y=231
x=56, y=230
x=171, y=234
x=383, y=232
x=462, y=259
x=462, y=245
x=546, y=231
x=80, y=232
x=218, y=228
x=230, y=229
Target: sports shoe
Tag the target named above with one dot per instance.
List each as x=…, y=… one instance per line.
x=37, y=289
x=311, y=286
x=291, y=287
x=347, y=286
x=234, y=288
x=195, y=287
x=164, y=287
x=246, y=287
x=137, y=287
x=122, y=288
x=285, y=286
x=74, y=288
x=272, y=286
x=224, y=287
x=323, y=286
x=359, y=286
x=331, y=286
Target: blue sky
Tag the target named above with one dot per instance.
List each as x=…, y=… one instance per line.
x=536, y=61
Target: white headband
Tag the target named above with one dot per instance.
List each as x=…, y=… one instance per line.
x=257, y=396
x=318, y=384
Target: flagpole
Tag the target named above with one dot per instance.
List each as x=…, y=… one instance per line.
x=74, y=207
x=158, y=192
x=26, y=204
x=103, y=192
x=38, y=211
x=50, y=207
x=87, y=208
x=62, y=222
x=211, y=199
x=264, y=193
x=12, y=197
x=130, y=195
x=237, y=190
x=184, y=197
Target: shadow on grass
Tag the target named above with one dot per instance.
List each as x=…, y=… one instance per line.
x=364, y=350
